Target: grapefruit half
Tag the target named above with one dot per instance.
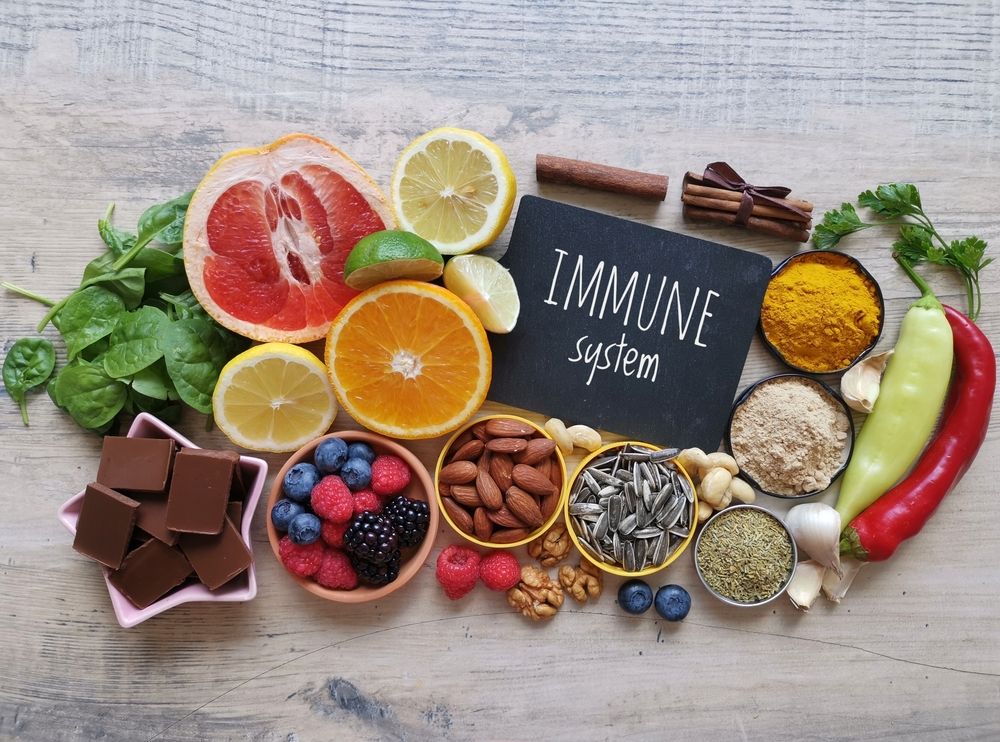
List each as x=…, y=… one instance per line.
x=267, y=234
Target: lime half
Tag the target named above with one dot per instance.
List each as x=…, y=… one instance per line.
x=487, y=287
x=391, y=254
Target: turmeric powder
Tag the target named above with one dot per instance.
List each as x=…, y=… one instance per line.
x=821, y=311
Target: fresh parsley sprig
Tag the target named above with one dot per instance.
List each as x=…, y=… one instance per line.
x=919, y=241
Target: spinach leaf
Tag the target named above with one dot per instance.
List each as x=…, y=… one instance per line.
x=165, y=222
x=195, y=354
x=159, y=265
x=93, y=353
x=168, y=411
x=154, y=381
x=128, y=283
x=135, y=342
x=29, y=362
x=118, y=241
x=89, y=395
x=87, y=316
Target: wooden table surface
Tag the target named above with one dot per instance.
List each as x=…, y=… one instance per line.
x=131, y=102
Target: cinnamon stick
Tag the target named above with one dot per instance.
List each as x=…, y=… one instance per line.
x=775, y=228
x=694, y=184
x=552, y=169
x=691, y=196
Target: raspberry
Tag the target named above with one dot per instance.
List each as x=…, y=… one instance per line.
x=336, y=571
x=333, y=533
x=390, y=475
x=366, y=501
x=299, y=559
x=500, y=571
x=457, y=570
x=332, y=500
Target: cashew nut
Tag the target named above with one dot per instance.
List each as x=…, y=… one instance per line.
x=719, y=458
x=742, y=491
x=585, y=437
x=714, y=485
x=692, y=460
x=704, y=511
x=557, y=429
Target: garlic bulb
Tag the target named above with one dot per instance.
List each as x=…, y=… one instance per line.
x=805, y=585
x=815, y=527
x=834, y=587
x=860, y=384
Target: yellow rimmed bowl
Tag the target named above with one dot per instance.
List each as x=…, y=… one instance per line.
x=611, y=568
x=553, y=517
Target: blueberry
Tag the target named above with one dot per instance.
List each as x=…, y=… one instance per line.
x=304, y=528
x=672, y=602
x=283, y=512
x=299, y=482
x=330, y=455
x=356, y=473
x=361, y=451
x=635, y=597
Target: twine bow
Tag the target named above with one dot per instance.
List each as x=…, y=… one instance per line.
x=721, y=175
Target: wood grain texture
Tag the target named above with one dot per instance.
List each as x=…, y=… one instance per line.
x=128, y=101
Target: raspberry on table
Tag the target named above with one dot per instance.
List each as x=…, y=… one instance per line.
x=301, y=559
x=457, y=570
x=372, y=537
x=410, y=518
x=390, y=474
x=500, y=571
x=366, y=501
x=336, y=571
x=333, y=533
x=332, y=500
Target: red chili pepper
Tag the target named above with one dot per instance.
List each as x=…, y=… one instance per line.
x=901, y=512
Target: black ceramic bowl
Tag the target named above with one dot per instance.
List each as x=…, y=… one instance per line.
x=848, y=451
x=881, y=308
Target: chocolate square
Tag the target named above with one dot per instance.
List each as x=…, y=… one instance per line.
x=199, y=491
x=216, y=559
x=105, y=525
x=234, y=511
x=150, y=572
x=140, y=464
x=152, y=517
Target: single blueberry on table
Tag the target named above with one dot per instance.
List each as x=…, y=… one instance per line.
x=361, y=451
x=635, y=597
x=283, y=512
x=356, y=473
x=304, y=528
x=299, y=482
x=330, y=455
x=672, y=602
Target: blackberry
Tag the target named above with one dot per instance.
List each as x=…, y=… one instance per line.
x=377, y=573
x=409, y=517
x=372, y=537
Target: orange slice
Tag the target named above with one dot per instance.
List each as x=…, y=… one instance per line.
x=409, y=360
x=267, y=234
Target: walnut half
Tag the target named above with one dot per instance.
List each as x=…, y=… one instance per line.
x=551, y=547
x=582, y=582
x=536, y=596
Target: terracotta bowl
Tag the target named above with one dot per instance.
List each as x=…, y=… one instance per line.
x=420, y=488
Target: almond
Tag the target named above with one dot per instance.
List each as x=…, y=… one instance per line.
x=479, y=431
x=488, y=491
x=555, y=474
x=549, y=505
x=524, y=507
x=484, y=461
x=530, y=479
x=500, y=468
x=503, y=517
x=544, y=467
x=509, y=535
x=536, y=450
x=459, y=516
x=463, y=438
x=482, y=524
x=458, y=472
x=466, y=495
x=504, y=427
x=469, y=451
x=444, y=489
x=507, y=445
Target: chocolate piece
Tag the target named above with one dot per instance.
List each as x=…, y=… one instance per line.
x=140, y=464
x=152, y=517
x=216, y=559
x=150, y=572
x=199, y=491
x=238, y=491
x=105, y=525
x=234, y=511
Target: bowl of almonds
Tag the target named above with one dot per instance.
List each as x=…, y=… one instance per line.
x=499, y=481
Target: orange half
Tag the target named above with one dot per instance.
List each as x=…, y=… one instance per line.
x=409, y=359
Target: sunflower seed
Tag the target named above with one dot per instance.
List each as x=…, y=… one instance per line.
x=602, y=476
x=616, y=547
x=585, y=508
x=644, y=533
x=623, y=475
x=640, y=553
x=680, y=532
x=641, y=514
x=609, y=489
x=601, y=529
x=647, y=496
x=660, y=552
x=663, y=454
x=615, y=505
x=629, y=556
x=627, y=525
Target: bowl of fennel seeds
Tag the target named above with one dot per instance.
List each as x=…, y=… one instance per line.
x=745, y=556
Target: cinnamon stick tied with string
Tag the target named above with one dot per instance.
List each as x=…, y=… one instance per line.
x=600, y=177
x=722, y=196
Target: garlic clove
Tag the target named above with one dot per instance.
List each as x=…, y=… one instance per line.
x=860, y=384
x=815, y=526
x=834, y=587
x=805, y=584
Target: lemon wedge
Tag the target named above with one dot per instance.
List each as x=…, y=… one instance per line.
x=274, y=397
x=487, y=287
x=454, y=188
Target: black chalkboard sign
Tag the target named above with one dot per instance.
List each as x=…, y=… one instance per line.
x=625, y=327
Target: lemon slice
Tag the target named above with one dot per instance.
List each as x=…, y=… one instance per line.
x=274, y=397
x=454, y=188
x=487, y=287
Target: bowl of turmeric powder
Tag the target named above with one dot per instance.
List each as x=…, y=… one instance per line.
x=822, y=312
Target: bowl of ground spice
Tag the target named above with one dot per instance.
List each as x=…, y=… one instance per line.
x=791, y=435
x=822, y=311
x=745, y=556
